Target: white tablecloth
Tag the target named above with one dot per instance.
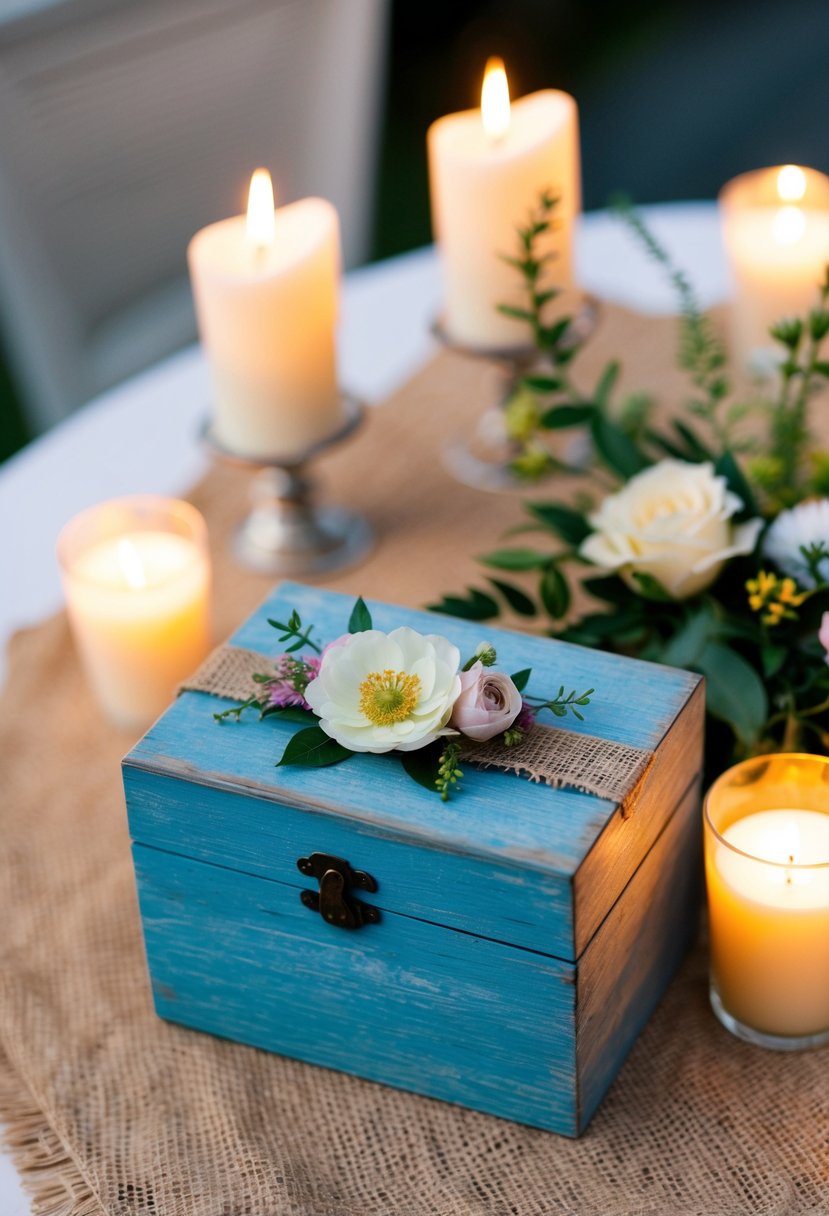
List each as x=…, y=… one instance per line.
x=142, y=436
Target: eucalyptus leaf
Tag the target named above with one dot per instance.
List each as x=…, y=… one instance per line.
x=313, y=748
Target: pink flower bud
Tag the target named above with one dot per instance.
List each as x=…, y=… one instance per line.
x=488, y=704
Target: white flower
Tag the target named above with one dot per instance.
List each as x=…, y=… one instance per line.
x=799, y=527
x=673, y=522
x=382, y=692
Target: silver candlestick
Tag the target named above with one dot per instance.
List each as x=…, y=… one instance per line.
x=485, y=460
x=287, y=531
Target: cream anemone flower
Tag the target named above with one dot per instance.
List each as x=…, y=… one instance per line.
x=674, y=522
x=382, y=692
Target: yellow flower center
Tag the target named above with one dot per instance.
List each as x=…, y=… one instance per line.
x=389, y=696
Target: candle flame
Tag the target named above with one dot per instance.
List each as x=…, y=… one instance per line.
x=132, y=568
x=261, y=217
x=788, y=225
x=791, y=184
x=495, y=110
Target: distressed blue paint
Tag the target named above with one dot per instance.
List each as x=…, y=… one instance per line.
x=468, y=989
x=411, y=1004
x=550, y=830
x=254, y=835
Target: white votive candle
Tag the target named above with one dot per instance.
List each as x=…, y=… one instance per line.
x=775, y=225
x=266, y=292
x=487, y=170
x=768, y=896
x=136, y=577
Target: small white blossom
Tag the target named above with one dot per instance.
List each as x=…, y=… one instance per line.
x=800, y=527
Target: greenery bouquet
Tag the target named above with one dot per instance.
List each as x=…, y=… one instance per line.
x=702, y=542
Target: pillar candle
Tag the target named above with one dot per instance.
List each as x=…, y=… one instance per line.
x=487, y=169
x=767, y=871
x=775, y=225
x=266, y=292
x=136, y=578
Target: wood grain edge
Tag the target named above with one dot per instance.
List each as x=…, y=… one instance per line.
x=629, y=836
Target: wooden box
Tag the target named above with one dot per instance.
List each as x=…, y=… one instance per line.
x=525, y=933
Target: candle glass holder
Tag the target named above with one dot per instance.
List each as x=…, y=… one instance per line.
x=287, y=531
x=485, y=460
x=136, y=577
x=766, y=827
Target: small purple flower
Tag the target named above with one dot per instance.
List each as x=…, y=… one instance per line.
x=526, y=718
x=290, y=678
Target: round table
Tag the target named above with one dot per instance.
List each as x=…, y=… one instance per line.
x=142, y=437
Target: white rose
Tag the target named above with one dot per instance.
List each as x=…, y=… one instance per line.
x=674, y=522
x=382, y=692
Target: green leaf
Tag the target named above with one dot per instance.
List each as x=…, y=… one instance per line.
x=360, y=619
x=696, y=448
x=313, y=748
x=822, y=368
x=551, y=335
x=555, y=592
x=476, y=607
x=541, y=384
x=650, y=588
x=606, y=383
x=423, y=765
x=515, y=559
x=608, y=587
x=735, y=693
x=570, y=525
x=773, y=658
x=521, y=678
x=517, y=314
x=690, y=640
x=289, y=713
x=728, y=468
x=616, y=448
x=561, y=416
x=515, y=597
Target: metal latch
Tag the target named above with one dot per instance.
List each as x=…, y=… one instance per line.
x=333, y=900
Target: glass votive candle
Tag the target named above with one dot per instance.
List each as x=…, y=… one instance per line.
x=136, y=576
x=767, y=874
x=775, y=227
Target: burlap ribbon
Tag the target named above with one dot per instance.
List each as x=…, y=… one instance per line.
x=562, y=759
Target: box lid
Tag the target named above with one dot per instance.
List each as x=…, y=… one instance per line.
x=505, y=858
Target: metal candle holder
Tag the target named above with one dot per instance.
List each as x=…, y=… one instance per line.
x=287, y=531
x=485, y=461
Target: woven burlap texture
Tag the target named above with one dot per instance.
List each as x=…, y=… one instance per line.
x=115, y=1112
x=560, y=758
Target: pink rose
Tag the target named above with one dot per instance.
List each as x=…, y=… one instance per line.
x=823, y=635
x=488, y=704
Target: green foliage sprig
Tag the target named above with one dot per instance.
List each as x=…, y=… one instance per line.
x=753, y=635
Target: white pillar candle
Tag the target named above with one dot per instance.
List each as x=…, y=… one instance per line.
x=775, y=225
x=266, y=294
x=136, y=577
x=487, y=169
x=767, y=872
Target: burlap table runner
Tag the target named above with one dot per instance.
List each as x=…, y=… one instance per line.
x=113, y=1111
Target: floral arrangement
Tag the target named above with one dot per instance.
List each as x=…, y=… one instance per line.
x=402, y=692
x=705, y=540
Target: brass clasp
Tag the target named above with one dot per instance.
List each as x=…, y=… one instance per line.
x=333, y=900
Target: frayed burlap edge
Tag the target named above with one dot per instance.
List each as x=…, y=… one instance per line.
x=49, y=1175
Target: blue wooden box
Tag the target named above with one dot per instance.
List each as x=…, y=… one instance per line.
x=525, y=934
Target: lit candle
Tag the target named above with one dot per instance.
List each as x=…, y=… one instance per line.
x=775, y=226
x=266, y=292
x=487, y=169
x=767, y=869
x=137, y=578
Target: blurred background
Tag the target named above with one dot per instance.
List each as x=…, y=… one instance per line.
x=125, y=127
